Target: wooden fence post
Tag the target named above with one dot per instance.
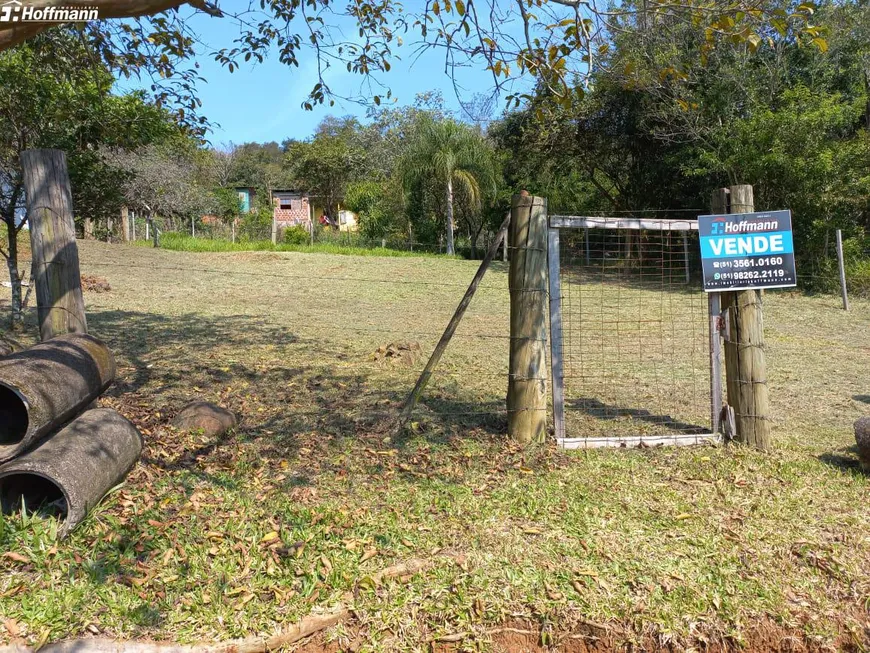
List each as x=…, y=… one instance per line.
x=60, y=305
x=745, y=364
x=125, y=224
x=527, y=280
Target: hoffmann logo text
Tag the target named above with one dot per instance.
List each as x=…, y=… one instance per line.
x=17, y=12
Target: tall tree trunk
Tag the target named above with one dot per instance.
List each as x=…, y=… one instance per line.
x=450, y=215
x=14, y=276
x=476, y=236
x=8, y=216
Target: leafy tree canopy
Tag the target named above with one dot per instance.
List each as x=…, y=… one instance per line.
x=553, y=42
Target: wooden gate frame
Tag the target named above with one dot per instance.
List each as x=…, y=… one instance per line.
x=558, y=222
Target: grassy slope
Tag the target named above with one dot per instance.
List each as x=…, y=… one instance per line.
x=675, y=542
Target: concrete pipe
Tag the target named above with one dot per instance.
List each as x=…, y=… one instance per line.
x=70, y=472
x=45, y=386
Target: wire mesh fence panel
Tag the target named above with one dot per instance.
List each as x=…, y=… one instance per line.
x=634, y=331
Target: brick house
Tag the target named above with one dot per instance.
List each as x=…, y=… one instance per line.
x=291, y=209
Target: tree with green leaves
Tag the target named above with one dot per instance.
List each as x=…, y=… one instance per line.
x=453, y=155
x=553, y=42
x=670, y=116
x=324, y=165
x=54, y=97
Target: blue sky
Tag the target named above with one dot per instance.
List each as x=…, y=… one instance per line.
x=262, y=102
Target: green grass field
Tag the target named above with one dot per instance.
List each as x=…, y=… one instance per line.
x=183, y=243
x=210, y=540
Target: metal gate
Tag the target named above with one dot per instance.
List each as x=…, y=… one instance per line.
x=634, y=348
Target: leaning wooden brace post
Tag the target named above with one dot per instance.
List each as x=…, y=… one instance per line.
x=527, y=280
x=440, y=348
x=60, y=306
x=745, y=365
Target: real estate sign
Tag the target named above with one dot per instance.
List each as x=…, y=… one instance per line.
x=740, y=251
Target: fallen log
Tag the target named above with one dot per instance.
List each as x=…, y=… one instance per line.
x=70, y=472
x=45, y=386
x=307, y=626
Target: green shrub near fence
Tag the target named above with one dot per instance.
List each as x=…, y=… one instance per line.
x=825, y=277
x=823, y=274
x=296, y=236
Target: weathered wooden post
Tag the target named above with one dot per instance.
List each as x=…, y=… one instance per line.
x=125, y=224
x=527, y=280
x=745, y=365
x=60, y=305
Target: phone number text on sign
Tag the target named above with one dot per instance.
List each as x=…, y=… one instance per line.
x=747, y=250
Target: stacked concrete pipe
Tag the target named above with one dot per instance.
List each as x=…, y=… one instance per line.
x=59, y=455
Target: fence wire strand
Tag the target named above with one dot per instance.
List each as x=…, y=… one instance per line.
x=464, y=382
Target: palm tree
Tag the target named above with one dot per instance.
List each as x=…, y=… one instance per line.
x=452, y=155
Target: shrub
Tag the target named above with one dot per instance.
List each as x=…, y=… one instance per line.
x=296, y=236
x=256, y=225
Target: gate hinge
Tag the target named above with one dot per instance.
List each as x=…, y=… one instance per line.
x=723, y=325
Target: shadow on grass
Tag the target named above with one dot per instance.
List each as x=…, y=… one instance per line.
x=599, y=410
x=842, y=461
x=134, y=336
x=287, y=391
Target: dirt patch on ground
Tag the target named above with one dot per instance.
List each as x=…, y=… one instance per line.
x=522, y=636
x=91, y=283
x=403, y=353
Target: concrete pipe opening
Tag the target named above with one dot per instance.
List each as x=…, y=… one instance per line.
x=34, y=492
x=69, y=473
x=47, y=385
x=13, y=417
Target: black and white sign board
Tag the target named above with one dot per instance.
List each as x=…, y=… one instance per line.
x=740, y=251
